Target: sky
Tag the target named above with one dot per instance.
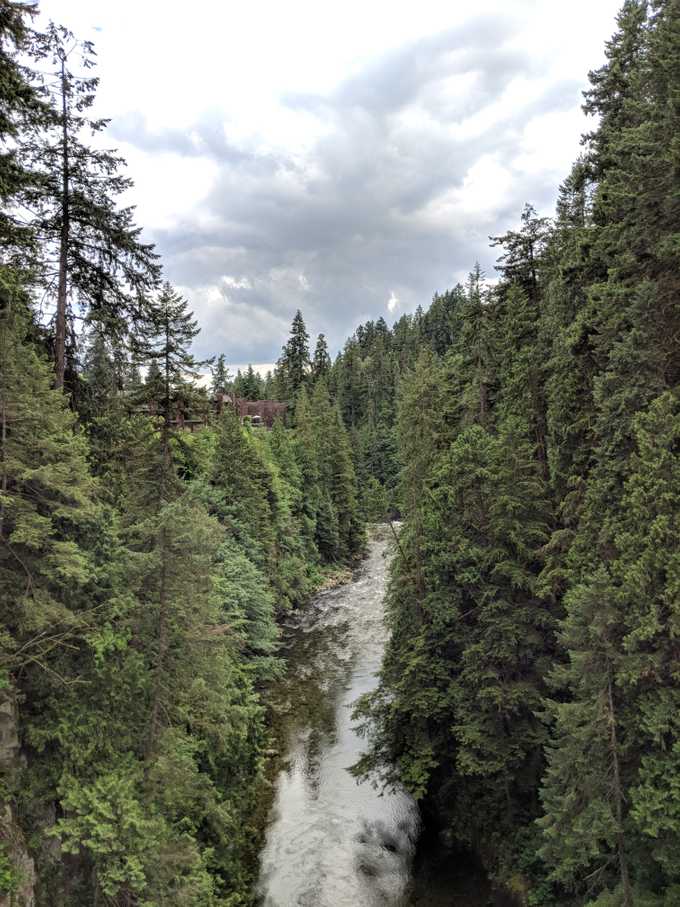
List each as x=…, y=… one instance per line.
x=346, y=159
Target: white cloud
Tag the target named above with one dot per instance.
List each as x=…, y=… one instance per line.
x=286, y=156
x=237, y=283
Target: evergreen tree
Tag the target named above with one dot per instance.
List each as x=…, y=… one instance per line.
x=338, y=512
x=613, y=85
x=154, y=386
x=528, y=434
x=269, y=389
x=251, y=387
x=350, y=385
x=294, y=364
x=221, y=380
x=47, y=501
x=50, y=526
x=23, y=111
x=102, y=264
x=317, y=529
x=111, y=391
x=632, y=367
x=243, y=496
x=238, y=383
x=523, y=249
x=321, y=363
x=584, y=794
x=343, y=490
x=440, y=320
x=164, y=341
x=104, y=379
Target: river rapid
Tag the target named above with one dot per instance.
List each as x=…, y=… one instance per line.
x=330, y=841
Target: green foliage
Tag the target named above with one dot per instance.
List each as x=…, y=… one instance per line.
x=8, y=877
x=90, y=247
x=23, y=110
x=321, y=364
x=164, y=339
x=249, y=386
x=221, y=380
x=165, y=614
x=527, y=433
x=47, y=507
x=293, y=367
x=537, y=572
x=338, y=508
x=142, y=568
x=375, y=500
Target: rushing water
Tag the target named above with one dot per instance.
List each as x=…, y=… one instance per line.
x=332, y=842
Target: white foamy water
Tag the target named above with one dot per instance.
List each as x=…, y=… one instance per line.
x=332, y=842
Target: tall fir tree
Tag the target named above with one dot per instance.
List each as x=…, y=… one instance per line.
x=321, y=363
x=101, y=262
x=294, y=365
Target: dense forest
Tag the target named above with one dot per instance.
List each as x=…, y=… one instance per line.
x=143, y=568
x=525, y=430
x=530, y=694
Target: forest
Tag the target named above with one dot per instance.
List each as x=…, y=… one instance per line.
x=524, y=429
x=143, y=568
x=530, y=692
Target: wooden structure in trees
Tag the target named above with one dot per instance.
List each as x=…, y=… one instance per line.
x=258, y=412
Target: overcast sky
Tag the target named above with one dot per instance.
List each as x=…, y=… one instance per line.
x=348, y=159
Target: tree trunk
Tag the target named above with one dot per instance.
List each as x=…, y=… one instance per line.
x=60, y=322
x=618, y=794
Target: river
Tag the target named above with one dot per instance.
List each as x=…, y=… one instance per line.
x=331, y=842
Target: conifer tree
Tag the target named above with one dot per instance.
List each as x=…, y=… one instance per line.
x=321, y=363
x=46, y=499
x=568, y=322
x=343, y=489
x=646, y=573
x=613, y=85
x=584, y=794
x=269, y=389
x=104, y=379
x=350, y=385
x=523, y=249
x=50, y=526
x=251, y=387
x=164, y=340
x=317, y=529
x=100, y=260
x=294, y=364
x=220, y=375
x=526, y=433
x=110, y=392
x=338, y=514
x=23, y=112
x=474, y=342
